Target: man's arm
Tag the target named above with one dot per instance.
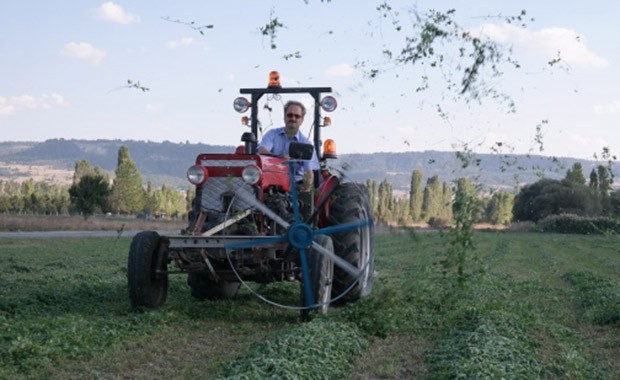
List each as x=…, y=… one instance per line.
x=266, y=143
x=308, y=180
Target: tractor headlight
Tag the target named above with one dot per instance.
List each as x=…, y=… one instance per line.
x=329, y=104
x=197, y=174
x=241, y=104
x=251, y=174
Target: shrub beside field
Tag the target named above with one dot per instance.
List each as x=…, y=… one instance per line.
x=573, y=224
x=530, y=310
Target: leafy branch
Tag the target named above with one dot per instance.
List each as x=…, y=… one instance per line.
x=296, y=55
x=191, y=24
x=465, y=59
x=131, y=84
x=271, y=28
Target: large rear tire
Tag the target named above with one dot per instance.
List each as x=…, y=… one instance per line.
x=148, y=286
x=350, y=203
x=204, y=288
x=321, y=270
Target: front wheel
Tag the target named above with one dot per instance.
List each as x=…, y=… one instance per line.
x=321, y=270
x=350, y=203
x=146, y=271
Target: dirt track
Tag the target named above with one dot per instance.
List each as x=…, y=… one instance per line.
x=66, y=234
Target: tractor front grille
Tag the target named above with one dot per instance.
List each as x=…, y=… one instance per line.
x=219, y=192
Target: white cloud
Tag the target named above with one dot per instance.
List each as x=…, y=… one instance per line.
x=152, y=107
x=547, y=42
x=115, y=13
x=607, y=109
x=406, y=130
x=10, y=105
x=83, y=50
x=183, y=42
x=6, y=108
x=340, y=70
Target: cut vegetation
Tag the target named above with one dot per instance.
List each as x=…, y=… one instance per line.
x=537, y=306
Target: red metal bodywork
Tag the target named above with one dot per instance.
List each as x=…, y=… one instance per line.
x=274, y=169
x=274, y=173
x=326, y=188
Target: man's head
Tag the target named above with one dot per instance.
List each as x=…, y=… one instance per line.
x=294, y=113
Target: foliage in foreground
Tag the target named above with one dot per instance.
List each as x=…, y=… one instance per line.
x=515, y=319
x=490, y=326
x=321, y=349
x=598, y=296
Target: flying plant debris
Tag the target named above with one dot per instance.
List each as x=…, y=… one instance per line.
x=271, y=28
x=296, y=54
x=131, y=84
x=191, y=24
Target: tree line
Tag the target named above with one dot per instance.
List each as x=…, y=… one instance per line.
x=430, y=202
x=433, y=202
x=92, y=192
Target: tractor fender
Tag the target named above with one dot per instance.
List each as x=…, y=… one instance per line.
x=326, y=188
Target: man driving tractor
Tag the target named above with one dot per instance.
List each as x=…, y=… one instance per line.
x=276, y=141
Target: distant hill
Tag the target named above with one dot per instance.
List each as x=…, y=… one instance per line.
x=166, y=162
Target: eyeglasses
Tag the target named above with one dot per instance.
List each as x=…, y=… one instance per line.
x=293, y=116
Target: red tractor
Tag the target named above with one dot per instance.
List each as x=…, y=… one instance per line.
x=249, y=223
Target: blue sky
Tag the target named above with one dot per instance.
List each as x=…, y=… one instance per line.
x=64, y=64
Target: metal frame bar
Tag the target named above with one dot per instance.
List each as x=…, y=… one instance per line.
x=219, y=241
x=315, y=92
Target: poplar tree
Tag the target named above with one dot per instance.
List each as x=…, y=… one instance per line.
x=372, y=194
x=575, y=174
x=466, y=189
x=593, y=180
x=416, y=196
x=446, y=203
x=604, y=180
x=499, y=208
x=385, y=202
x=151, y=200
x=433, y=198
x=127, y=194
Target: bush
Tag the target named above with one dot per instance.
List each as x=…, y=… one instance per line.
x=573, y=224
x=522, y=227
x=438, y=223
x=551, y=197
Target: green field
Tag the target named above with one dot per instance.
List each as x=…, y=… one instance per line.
x=532, y=306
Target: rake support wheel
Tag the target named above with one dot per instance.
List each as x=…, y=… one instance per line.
x=147, y=263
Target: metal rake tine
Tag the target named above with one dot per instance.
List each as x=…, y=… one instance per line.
x=344, y=227
x=265, y=210
x=339, y=261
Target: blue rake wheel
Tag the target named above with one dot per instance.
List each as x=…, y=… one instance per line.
x=301, y=236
